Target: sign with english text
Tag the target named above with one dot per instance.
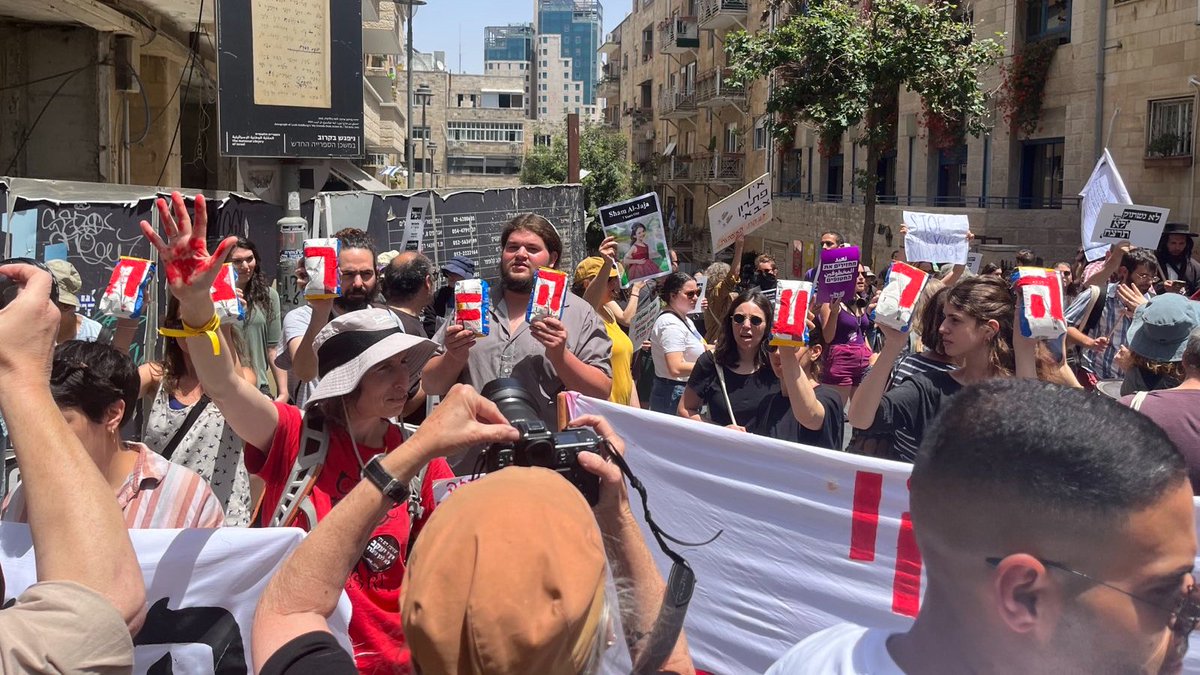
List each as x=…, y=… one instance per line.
x=1139, y=225
x=936, y=237
x=741, y=213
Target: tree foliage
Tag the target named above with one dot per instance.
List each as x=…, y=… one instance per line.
x=840, y=64
x=602, y=152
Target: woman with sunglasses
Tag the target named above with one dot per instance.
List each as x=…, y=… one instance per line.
x=844, y=328
x=675, y=342
x=769, y=392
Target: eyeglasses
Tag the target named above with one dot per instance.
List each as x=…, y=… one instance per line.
x=1182, y=615
x=755, y=321
x=691, y=295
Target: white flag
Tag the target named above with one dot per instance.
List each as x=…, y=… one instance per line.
x=1103, y=187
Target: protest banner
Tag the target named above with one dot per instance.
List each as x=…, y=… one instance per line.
x=649, y=307
x=741, y=213
x=838, y=274
x=201, y=589
x=810, y=538
x=936, y=237
x=637, y=225
x=1139, y=225
x=1104, y=186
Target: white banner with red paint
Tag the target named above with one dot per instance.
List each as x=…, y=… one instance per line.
x=811, y=538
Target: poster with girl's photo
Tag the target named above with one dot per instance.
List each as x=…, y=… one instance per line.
x=637, y=225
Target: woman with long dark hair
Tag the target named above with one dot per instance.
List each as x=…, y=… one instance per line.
x=181, y=424
x=751, y=386
x=261, y=330
x=976, y=331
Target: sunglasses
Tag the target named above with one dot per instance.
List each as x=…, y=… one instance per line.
x=755, y=321
x=1182, y=615
x=691, y=295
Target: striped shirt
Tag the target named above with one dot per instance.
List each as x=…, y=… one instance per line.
x=157, y=495
x=904, y=441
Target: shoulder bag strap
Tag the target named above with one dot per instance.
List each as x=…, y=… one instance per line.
x=725, y=391
x=188, y=422
x=314, y=447
x=415, y=509
x=1138, y=399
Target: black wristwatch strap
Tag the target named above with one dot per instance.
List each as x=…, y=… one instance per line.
x=392, y=488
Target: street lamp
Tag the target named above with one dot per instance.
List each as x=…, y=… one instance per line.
x=431, y=148
x=408, y=71
x=425, y=94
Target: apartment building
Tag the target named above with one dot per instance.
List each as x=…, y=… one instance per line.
x=471, y=131
x=696, y=138
x=579, y=26
x=508, y=50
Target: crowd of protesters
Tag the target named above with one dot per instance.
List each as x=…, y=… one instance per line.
x=1000, y=428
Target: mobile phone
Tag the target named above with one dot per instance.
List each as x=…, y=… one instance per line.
x=10, y=288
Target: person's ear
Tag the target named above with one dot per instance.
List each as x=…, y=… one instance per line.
x=993, y=328
x=1024, y=596
x=113, y=415
x=554, y=260
x=814, y=353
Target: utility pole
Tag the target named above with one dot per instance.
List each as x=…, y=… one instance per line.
x=573, y=147
x=293, y=229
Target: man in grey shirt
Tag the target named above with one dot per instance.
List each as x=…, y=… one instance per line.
x=547, y=356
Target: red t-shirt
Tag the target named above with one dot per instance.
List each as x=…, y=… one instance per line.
x=374, y=584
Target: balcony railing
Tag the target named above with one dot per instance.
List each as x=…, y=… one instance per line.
x=721, y=167
x=677, y=105
x=609, y=86
x=714, y=90
x=643, y=152
x=723, y=14
x=679, y=35
x=675, y=169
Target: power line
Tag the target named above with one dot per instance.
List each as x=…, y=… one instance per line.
x=188, y=67
x=32, y=127
x=51, y=77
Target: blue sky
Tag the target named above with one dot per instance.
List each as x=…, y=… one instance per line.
x=436, y=25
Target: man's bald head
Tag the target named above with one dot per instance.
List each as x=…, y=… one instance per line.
x=408, y=278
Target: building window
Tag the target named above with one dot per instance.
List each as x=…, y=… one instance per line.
x=542, y=140
x=420, y=133
x=485, y=132
x=500, y=166
x=689, y=208
x=761, y=133
x=790, y=172
x=420, y=165
x=647, y=43
x=376, y=159
x=952, y=176
x=1042, y=174
x=1047, y=19
x=733, y=141
x=1169, y=133
x=833, y=178
x=885, y=177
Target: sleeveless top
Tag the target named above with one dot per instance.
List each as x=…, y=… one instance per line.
x=210, y=449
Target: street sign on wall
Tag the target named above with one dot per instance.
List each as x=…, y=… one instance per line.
x=289, y=78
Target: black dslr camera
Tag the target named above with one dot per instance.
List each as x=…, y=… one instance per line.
x=538, y=446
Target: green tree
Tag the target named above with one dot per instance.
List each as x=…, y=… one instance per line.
x=840, y=64
x=602, y=153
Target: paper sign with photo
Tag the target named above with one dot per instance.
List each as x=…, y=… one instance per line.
x=637, y=225
x=936, y=237
x=740, y=213
x=1139, y=225
x=838, y=275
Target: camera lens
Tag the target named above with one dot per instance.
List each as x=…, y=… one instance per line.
x=511, y=398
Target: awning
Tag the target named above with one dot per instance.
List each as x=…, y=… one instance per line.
x=503, y=91
x=352, y=174
x=380, y=41
x=670, y=149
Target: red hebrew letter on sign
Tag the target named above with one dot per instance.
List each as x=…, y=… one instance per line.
x=864, y=531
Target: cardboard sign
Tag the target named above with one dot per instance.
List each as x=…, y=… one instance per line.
x=792, y=302
x=936, y=237
x=548, y=295
x=649, y=307
x=974, y=261
x=899, y=297
x=1104, y=186
x=471, y=305
x=697, y=309
x=741, y=213
x=838, y=274
x=1139, y=225
x=125, y=296
x=1041, y=297
x=414, y=223
x=321, y=264
x=637, y=225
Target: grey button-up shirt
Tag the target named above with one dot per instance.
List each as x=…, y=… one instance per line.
x=519, y=355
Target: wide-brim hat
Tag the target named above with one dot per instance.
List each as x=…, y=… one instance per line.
x=67, y=278
x=460, y=265
x=354, y=342
x=1178, y=228
x=1160, y=327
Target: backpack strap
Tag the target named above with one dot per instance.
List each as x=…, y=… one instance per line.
x=1138, y=399
x=415, y=510
x=725, y=390
x=314, y=448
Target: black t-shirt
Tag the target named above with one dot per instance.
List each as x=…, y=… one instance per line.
x=746, y=393
x=443, y=301
x=913, y=404
x=779, y=422
x=316, y=653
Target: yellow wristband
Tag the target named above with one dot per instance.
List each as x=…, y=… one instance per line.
x=210, y=329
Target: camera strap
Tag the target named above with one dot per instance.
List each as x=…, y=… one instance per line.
x=680, y=584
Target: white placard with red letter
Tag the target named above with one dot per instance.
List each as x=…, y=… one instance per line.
x=321, y=264
x=899, y=296
x=548, y=295
x=1041, y=298
x=125, y=296
x=224, y=295
x=792, y=302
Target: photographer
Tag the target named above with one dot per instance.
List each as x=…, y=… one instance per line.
x=79, y=615
x=531, y=599
x=365, y=362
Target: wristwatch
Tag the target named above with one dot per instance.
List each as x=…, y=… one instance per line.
x=392, y=488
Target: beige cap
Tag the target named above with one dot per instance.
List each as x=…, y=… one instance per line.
x=68, y=280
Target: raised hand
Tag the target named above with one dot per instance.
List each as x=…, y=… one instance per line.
x=608, y=249
x=184, y=255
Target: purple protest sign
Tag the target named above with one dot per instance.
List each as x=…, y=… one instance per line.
x=839, y=272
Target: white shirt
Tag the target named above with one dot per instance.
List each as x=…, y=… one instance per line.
x=671, y=335
x=845, y=649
